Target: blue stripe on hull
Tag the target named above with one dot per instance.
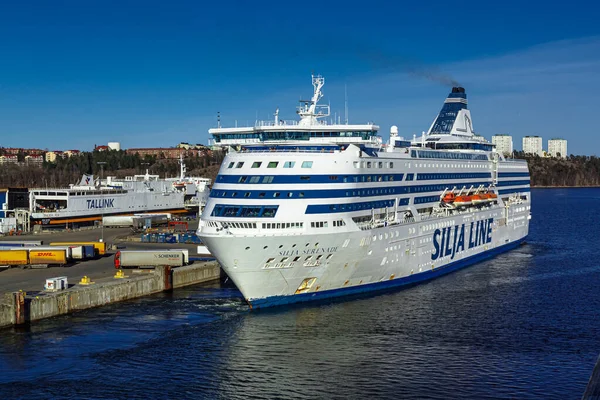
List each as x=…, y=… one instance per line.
x=381, y=286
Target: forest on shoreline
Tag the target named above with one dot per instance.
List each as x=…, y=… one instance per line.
x=69, y=170
x=573, y=171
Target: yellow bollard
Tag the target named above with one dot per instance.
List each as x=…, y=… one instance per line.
x=120, y=274
x=85, y=281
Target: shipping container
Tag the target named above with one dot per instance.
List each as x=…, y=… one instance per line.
x=14, y=257
x=151, y=258
x=89, y=251
x=67, y=249
x=99, y=246
x=57, y=256
x=82, y=252
x=77, y=252
x=117, y=221
x=21, y=243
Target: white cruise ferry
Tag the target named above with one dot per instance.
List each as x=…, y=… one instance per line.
x=308, y=210
x=92, y=199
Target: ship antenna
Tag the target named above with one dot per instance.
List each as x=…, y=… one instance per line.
x=182, y=166
x=346, y=101
x=218, y=119
x=311, y=110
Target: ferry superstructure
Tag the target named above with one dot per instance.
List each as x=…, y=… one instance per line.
x=309, y=210
x=92, y=199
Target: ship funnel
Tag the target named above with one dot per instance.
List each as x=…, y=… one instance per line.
x=454, y=117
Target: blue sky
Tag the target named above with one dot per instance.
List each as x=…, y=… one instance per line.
x=154, y=73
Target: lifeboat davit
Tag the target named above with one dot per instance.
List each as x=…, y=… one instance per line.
x=462, y=200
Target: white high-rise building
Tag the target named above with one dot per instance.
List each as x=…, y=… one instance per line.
x=504, y=144
x=557, y=148
x=532, y=145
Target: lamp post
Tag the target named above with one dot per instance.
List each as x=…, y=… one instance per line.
x=102, y=164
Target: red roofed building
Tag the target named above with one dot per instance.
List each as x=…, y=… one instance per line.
x=166, y=152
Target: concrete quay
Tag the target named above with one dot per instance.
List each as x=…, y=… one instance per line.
x=23, y=301
x=20, y=308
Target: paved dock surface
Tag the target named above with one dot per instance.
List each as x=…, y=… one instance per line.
x=15, y=278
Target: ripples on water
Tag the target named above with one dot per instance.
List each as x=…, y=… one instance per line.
x=524, y=325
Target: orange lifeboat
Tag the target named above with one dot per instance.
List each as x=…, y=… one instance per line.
x=449, y=198
x=462, y=200
x=492, y=196
x=479, y=199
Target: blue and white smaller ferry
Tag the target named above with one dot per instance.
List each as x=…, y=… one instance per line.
x=308, y=209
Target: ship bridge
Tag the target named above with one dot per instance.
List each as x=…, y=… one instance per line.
x=312, y=127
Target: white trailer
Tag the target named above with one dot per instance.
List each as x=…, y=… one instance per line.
x=117, y=221
x=151, y=258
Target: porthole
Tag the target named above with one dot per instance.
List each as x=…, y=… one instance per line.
x=247, y=247
x=266, y=247
x=280, y=246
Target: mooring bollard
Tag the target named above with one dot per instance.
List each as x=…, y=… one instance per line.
x=20, y=308
x=86, y=281
x=120, y=274
x=168, y=278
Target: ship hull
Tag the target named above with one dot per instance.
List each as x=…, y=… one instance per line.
x=87, y=208
x=389, y=285
x=61, y=220
x=272, y=271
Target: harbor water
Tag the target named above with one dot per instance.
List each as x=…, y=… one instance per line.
x=524, y=325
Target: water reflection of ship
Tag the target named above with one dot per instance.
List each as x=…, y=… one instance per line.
x=312, y=346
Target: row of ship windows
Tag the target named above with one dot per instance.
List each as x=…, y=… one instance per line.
x=274, y=225
x=236, y=211
x=365, y=164
x=240, y=225
x=286, y=179
x=328, y=208
x=373, y=164
x=103, y=192
x=453, y=156
x=244, y=211
x=306, y=178
x=262, y=195
x=450, y=166
x=215, y=193
x=283, y=225
x=271, y=164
